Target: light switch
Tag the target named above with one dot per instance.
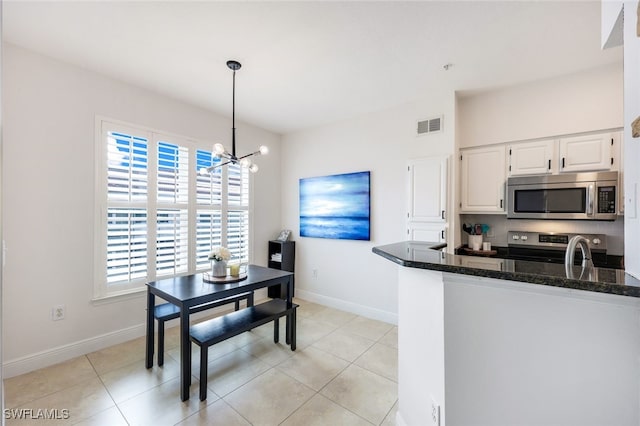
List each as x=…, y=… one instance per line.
x=631, y=205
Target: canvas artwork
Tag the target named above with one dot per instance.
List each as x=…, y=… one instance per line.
x=336, y=206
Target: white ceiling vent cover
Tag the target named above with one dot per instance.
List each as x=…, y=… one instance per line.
x=430, y=125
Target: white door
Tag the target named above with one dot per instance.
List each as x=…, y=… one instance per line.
x=532, y=158
x=586, y=153
x=427, y=189
x=483, y=180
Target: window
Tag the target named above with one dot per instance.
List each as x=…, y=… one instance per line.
x=156, y=216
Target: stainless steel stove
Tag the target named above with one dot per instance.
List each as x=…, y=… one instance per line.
x=550, y=247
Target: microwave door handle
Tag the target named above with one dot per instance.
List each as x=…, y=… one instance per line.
x=590, y=197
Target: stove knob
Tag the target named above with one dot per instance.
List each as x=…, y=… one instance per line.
x=524, y=238
x=596, y=241
x=515, y=237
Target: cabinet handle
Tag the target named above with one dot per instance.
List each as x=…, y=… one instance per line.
x=563, y=162
x=501, y=203
x=549, y=164
x=442, y=233
x=443, y=214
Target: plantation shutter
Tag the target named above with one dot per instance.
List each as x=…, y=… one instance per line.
x=127, y=186
x=172, y=232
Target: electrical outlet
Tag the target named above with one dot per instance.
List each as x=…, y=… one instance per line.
x=435, y=413
x=57, y=313
x=314, y=273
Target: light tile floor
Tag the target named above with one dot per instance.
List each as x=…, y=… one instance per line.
x=344, y=372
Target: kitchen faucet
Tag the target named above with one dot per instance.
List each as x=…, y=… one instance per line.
x=581, y=241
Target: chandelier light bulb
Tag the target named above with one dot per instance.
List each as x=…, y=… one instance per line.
x=218, y=149
x=253, y=168
x=245, y=162
x=203, y=171
x=264, y=150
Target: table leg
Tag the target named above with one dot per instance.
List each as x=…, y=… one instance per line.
x=185, y=354
x=151, y=301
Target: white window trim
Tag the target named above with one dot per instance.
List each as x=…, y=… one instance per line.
x=104, y=292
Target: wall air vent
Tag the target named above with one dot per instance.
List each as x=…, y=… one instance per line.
x=430, y=125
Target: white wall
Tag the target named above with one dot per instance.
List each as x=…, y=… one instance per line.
x=349, y=275
x=49, y=113
x=631, y=146
x=574, y=103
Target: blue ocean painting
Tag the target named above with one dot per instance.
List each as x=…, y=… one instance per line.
x=336, y=206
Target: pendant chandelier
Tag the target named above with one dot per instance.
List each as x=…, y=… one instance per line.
x=219, y=151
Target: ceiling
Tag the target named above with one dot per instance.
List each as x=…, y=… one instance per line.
x=304, y=63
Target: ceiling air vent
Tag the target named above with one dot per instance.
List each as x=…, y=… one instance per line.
x=430, y=125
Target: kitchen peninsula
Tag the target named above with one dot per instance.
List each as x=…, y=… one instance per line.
x=505, y=347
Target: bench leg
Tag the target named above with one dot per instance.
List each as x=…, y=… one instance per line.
x=204, y=355
x=237, y=305
x=276, y=330
x=160, y=343
x=250, y=299
x=288, y=329
x=292, y=329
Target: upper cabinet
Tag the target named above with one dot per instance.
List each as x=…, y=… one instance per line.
x=483, y=179
x=587, y=153
x=532, y=158
x=427, y=189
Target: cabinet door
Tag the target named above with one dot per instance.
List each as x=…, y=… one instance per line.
x=427, y=189
x=430, y=232
x=586, y=153
x=532, y=158
x=483, y=180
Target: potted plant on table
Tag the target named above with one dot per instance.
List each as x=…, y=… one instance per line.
x=219, y=256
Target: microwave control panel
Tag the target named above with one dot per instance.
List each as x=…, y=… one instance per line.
x=606, y=199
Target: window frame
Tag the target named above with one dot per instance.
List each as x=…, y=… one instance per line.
x=102, y=289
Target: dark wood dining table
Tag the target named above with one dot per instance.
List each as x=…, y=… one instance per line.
x=191, y=290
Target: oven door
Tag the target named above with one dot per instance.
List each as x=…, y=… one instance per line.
x=569, y=200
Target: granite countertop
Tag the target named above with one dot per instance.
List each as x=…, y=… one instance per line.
x=426, y=255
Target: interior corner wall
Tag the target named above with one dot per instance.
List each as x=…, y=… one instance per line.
x=349, y=276
x=49, y=110
x=631, y=145
x=576, y=103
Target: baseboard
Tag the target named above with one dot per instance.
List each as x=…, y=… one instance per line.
x=46, y=358
x=32, y=362
x=354, y=308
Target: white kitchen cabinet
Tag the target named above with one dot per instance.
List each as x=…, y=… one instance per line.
x=483, y=175
x=532, y=158
x=427, y=189
x=586, y=153
x=425, y=231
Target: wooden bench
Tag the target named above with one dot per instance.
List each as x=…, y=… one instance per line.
x=168, y=311
x=216, y=330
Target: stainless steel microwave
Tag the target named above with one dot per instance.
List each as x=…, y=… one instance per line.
x=585, y=196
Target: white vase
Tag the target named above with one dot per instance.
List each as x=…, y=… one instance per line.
x=219, y=268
